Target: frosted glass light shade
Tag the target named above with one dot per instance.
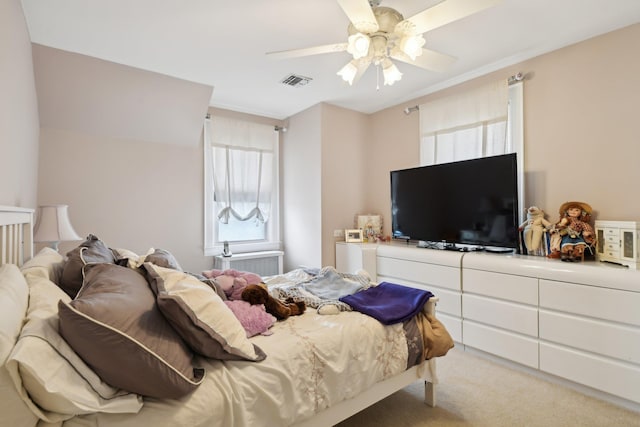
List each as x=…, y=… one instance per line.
x=53, y=225
x=348, y=72
x=358, y=45
x=412, y=45
x=390, y=72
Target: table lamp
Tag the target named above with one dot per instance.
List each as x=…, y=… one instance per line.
x=53, y=226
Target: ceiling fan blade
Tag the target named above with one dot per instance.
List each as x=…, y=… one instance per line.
x=429, y=60
x=447, y=12
x=360, y=14
x=316, y=50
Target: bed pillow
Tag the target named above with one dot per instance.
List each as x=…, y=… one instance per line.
x=50, y=377
x=47, y=263
x=14, y=297
x=92, y=250
x=163, y=258
x=127, y=258
x=200, y=316
x=114, y=324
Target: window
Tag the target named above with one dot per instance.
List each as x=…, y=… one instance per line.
x=241, y=186
x=484, y=122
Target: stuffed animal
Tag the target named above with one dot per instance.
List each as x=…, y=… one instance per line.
x=533, y=228
x=258, y=294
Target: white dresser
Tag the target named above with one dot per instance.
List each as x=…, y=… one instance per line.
x=576, y=321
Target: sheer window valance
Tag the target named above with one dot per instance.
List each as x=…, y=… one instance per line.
x=465, y=126
x=484, y=104
x=242, y=158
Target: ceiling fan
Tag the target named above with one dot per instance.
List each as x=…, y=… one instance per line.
x=377, y=34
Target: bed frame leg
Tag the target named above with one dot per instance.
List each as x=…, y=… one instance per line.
x=430, y=394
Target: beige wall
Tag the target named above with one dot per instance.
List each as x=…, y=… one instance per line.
x=581, y=134
x=123, y=148
x=19, y=127
x=132, y=194
x=344, y=145
x=301, y=189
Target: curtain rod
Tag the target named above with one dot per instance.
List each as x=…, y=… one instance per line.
x=516, y=78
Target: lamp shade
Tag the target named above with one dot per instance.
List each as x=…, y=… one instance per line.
x=53, y=225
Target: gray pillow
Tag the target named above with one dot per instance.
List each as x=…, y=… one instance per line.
x=92, y=250
x=163, y=258
x=115, y=326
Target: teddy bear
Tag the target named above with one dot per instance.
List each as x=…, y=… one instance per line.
x=533, y=228
x=258, y=294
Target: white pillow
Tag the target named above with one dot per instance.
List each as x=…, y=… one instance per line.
x=14, y=297
x=51, y=378
x=200, y=316
x=47, y=263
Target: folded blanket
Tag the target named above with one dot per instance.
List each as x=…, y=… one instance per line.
x=329, y=284
x=388, y=303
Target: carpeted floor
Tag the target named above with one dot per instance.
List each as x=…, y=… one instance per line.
x=474, y=391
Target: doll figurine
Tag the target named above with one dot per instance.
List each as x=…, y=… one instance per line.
x=573, y=233
x=534, y=227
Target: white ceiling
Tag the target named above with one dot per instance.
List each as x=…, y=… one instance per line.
x=222, y=43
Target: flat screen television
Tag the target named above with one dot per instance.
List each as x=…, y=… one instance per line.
x=471, y=202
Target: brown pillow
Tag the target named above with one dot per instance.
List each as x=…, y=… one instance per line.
x=115, y=326
x=92, y=250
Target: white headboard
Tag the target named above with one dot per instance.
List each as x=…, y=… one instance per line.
x=16, y=235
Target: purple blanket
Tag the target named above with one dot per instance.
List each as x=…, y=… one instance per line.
x=388, y=303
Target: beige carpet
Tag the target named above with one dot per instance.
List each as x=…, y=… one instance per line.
x=474, y=391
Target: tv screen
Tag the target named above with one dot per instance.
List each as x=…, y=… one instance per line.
x=471, y=202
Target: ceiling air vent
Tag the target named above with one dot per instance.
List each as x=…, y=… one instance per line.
x=295, y=81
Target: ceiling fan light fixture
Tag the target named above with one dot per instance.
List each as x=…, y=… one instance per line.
x=390, y=72
x=348, y=72
x=358, y=45
x=412, y=45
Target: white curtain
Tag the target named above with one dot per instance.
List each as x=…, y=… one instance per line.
x=465, y=126
x=241, y=155
x=487, y=121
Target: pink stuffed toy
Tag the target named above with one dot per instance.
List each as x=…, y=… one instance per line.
x=232, y=281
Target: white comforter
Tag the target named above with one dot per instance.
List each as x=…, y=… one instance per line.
x=313, y=362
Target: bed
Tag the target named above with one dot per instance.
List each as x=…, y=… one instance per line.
x=308, y=370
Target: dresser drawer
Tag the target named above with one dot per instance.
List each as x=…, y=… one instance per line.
x=502, y=343
x=605, y=338
x=619, y=379
x=419, y=272
x=503, y=314
x=611, y=234
x=499, y=285
x=449, y=301
x=591, y=301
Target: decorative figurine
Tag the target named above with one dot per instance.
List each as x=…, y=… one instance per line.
x=534, y=227
x=573, y=234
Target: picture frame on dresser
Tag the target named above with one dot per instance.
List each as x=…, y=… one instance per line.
x=353, y=235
